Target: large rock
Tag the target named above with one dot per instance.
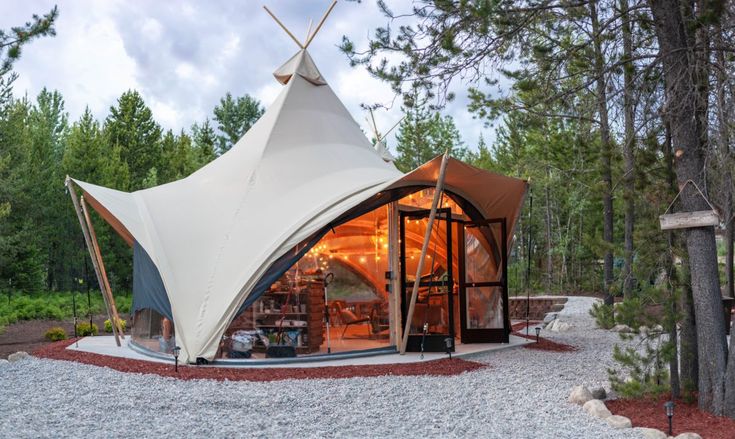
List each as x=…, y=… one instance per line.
x=599, y=393
x=18, y=356
x=621, y=328
x=580, y=395
x=651, y=433
x=4, y=362
x=688, y=436
x=597, y=408
x=619, y=422
x=558, y=326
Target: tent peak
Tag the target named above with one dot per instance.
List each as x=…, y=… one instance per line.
x=300, y=64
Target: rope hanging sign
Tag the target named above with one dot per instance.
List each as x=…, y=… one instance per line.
x=688, y=220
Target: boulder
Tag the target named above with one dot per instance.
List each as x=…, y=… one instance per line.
x=597, y=408
x=4, y=362
x=558, y=326
x=619, y=422
x=18, y=356
x=621, y=328
x=580, y=395
x=599, y=393
x=688, y=436
x=651, y=433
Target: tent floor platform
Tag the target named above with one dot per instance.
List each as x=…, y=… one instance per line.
x=105, y=345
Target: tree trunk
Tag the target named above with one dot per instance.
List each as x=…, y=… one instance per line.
x=606, y=154
x=684, y=107
x=547, y=224
x=628, y=150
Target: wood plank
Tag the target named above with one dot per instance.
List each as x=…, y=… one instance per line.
x=686, y=220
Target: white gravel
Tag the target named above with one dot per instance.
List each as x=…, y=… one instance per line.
x=522, y=395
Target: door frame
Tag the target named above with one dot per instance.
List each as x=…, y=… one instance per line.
x=485, y=335
x=432, y=342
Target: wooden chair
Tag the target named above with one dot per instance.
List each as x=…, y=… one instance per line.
x=350, y=318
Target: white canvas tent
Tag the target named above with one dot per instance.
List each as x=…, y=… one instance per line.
x=213, y=234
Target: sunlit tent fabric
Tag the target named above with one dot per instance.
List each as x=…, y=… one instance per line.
x=305, y=163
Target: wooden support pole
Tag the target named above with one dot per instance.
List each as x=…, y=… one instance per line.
x=88, y=241
x=308, y=31
x=424, y=248
x=296, y=40
x=393, y=267
x=319, y=26
x=100, y=263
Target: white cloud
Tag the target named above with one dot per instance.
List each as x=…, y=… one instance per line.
x=184, y=56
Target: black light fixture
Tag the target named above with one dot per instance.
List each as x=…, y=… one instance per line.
x=176, y=351
x=538, y=331
x=448, y=343
x=669, y=406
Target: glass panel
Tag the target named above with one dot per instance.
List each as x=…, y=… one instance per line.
x=292, y=311
x=480, y=265
x=153, y=331
x=484, y=307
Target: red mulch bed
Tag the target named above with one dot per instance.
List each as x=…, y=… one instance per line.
x=443, y=367
x=544, y=344
x=650, y=413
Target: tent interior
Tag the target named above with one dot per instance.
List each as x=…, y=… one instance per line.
x=335, y=292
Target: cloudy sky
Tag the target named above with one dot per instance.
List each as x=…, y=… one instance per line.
x=182, y=56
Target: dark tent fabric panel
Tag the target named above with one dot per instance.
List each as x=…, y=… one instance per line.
x=148, y=289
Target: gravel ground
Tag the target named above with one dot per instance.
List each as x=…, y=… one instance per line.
x=522, y=395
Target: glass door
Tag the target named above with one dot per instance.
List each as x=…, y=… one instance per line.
x=483, y=287
x=433, y=318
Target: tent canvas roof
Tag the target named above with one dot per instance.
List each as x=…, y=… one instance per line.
x=213, y=234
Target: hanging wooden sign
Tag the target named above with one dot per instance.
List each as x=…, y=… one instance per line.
x=688, y=220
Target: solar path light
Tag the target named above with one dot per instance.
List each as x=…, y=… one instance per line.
x=669, y=407
x=176, y=351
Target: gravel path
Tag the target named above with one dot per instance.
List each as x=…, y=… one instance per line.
x=522, y=395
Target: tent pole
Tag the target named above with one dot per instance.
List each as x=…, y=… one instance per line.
x=394, y=285
x=100, y=263
x=319, y=26
x=296, y=40
x=424, y=248
x=88, y=241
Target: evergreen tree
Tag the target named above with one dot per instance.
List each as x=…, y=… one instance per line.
x=205, y=141
x=130, y=127
x=422, y=135
x=234, y=118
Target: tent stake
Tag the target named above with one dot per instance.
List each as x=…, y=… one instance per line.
x=427, y=236
x=103, y=272
x=88, y=241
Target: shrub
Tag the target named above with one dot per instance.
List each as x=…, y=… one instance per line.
x=603, y=314
x=55, y=334
x=108, y=325
x=84, y=329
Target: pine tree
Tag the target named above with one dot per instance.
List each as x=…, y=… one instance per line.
x=234, y=118
x=130, y=127
x=205, y=141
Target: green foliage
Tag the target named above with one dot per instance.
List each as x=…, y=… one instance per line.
x=234, y=118
x=55, y=334
x=131, y=128
x=649, y=315
x=55, y=306
x=603, y=315
x=422, y=135
x=84, y=329
x=108, y=325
